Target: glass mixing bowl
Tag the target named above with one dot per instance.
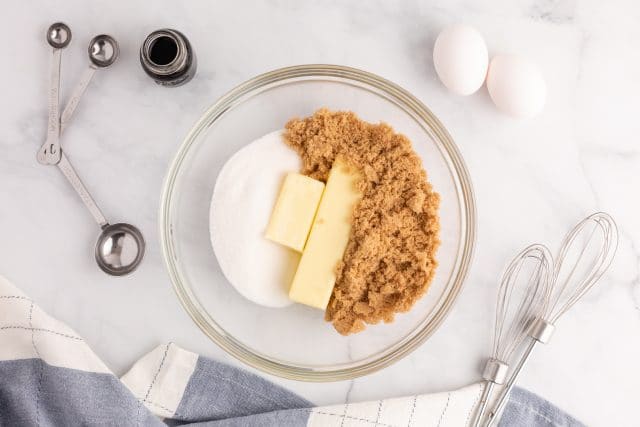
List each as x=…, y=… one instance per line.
x=295, y=342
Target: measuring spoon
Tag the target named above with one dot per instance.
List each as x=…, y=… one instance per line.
x=58, y=37
x=120, y=247
x=103, y=51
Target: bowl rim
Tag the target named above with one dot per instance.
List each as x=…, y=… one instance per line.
x=467, y=221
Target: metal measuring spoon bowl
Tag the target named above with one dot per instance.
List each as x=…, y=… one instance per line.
x=103, y=50
x=119, y=249
x=59, y=35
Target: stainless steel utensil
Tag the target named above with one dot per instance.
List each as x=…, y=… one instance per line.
x=120, y=247
x=520, y=297
x=103, y=51
x=594, y=241
x=58, y=37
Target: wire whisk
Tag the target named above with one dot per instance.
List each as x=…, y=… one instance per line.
x=562, y=296
x=520, y=297
x=584, y=256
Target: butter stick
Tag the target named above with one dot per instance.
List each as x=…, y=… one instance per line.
x=294, y=211
x=315, y=277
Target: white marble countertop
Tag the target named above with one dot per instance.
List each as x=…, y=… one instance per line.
x=533, y=179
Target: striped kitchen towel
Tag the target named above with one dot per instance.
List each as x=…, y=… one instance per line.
x=50, y=377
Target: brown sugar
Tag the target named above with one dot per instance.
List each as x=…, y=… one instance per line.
x=390, y=258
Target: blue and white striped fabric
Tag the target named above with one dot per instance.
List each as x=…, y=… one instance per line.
x=50, y=377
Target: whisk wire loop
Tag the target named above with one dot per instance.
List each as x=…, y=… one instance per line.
x=602, y=233
x=519, y=300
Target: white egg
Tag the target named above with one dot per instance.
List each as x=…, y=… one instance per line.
x=460, y=58
x=516, y=85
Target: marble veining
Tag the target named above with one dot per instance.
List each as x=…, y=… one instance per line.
x=533, y=179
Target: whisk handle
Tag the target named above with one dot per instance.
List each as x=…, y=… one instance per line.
x=502, y=399
x=495, y=372
x=482, y=405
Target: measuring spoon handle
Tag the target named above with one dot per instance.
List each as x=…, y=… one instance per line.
x=49, y=153
x=76, y=95
x=69, y=172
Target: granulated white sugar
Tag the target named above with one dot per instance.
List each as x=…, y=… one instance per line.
x=243, y=198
